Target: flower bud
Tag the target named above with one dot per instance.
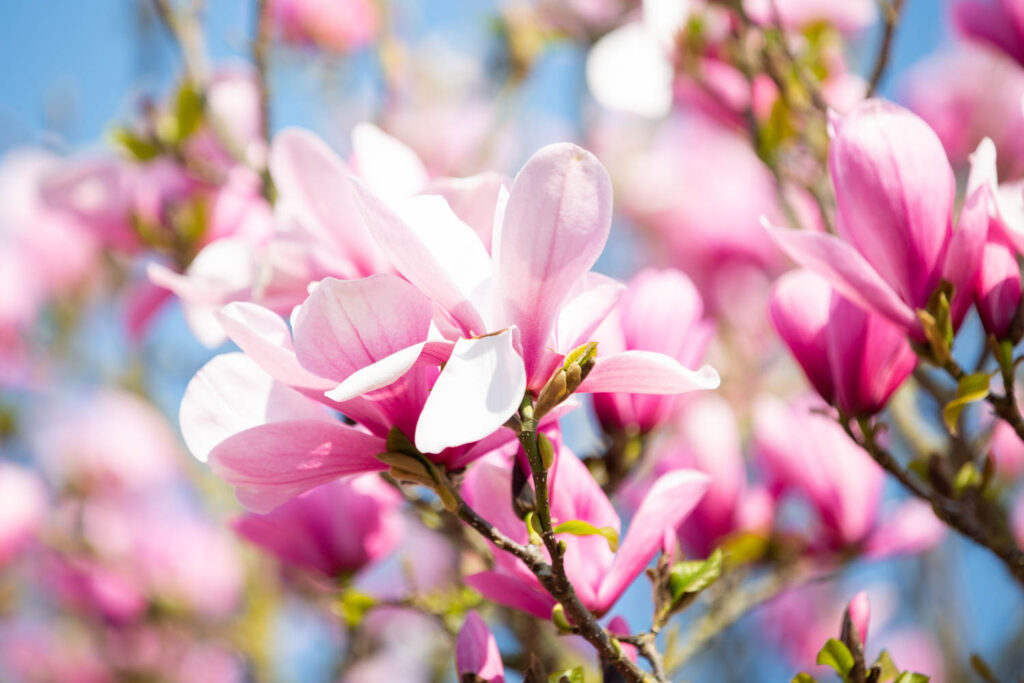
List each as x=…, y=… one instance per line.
x=998, y=292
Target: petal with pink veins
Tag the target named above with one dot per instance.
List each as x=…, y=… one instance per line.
x=556, y=224
x=436, y=252
x=264, y=336
x=275, y=462
x=230, y=394
x=348, y=325
x=646, y=372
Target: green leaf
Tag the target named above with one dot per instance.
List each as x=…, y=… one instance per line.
x=803, y=678
x=908, y=677
x=353, y=605
x=574, y=675
x=836, y=655
x=135, y=146
x=578, y=527
x=966, y=477
x=188, y=111
x=887, y=669
x=970, y=389
x=695, y=576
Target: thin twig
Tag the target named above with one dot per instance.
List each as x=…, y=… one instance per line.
x=260, y=43
x=960, y=514
x=891, y=13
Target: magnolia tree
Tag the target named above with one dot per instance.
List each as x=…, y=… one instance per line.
x=461, y=451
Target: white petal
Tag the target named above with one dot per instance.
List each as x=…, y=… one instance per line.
x=377, y=375
x=628, y=70
x=480, y=387
x=388, y=166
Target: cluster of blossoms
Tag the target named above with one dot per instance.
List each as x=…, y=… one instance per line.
x=440, y=417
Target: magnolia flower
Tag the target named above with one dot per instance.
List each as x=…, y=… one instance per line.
x=336, y=529
x=599, y=574
x=839, y=480
x=1000, y=23
x=853, y=358
x=517, y=312
x=707, y=439
x=476, y=653
x=661, y=311
x=337, y=25
x=894, y=189
x=23, y=503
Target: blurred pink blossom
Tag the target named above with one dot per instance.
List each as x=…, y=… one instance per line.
x=335, y=25
x=999, y=23
x=336, y=529
x=23, y=504
x=476, y=652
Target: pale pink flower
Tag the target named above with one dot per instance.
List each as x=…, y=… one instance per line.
x=895, y=190
x=598, y=574
x=111, y=442
x=847, y=17
x=476, y=652
x=336, y=529
x=1006, y=450
x=23, y=503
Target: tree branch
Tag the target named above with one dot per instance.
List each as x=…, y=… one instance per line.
x=891, y=11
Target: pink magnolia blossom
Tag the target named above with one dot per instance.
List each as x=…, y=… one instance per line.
x=998, y=290
x=847, y=17
x=23, y=503
x=840, y=482
x=336, y=529
x=35, y=651
x=895, y=191
x=143, y=550
x=336, y=25
x=966, y=95
x=1006, y=450
x=500, y=325
x=476, y=652
x=1000, y=23
x=853, y=358
x=661, y=311
x=598, y=574
x=707, y=439
x=96, y=445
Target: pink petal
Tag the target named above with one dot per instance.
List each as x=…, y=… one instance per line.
x=481, y=386
x=476, y=651
x=846, y=270
x=275, y=462
x=512, y=592
x=313, y=183
x=859, y=610
x=894, y=191
x=555, y=226
x=646, y=372
x=666, y=505
x=585, y=311
x=421, y=252
x=230, y=394
x=799, y=310
x=910, y=529
x=348, y=325
x=965, y=248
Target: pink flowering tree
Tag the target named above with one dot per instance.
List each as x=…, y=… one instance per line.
x=637, y=377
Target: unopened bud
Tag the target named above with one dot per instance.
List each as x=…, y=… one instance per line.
x=560, y=620
x=553, y=393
